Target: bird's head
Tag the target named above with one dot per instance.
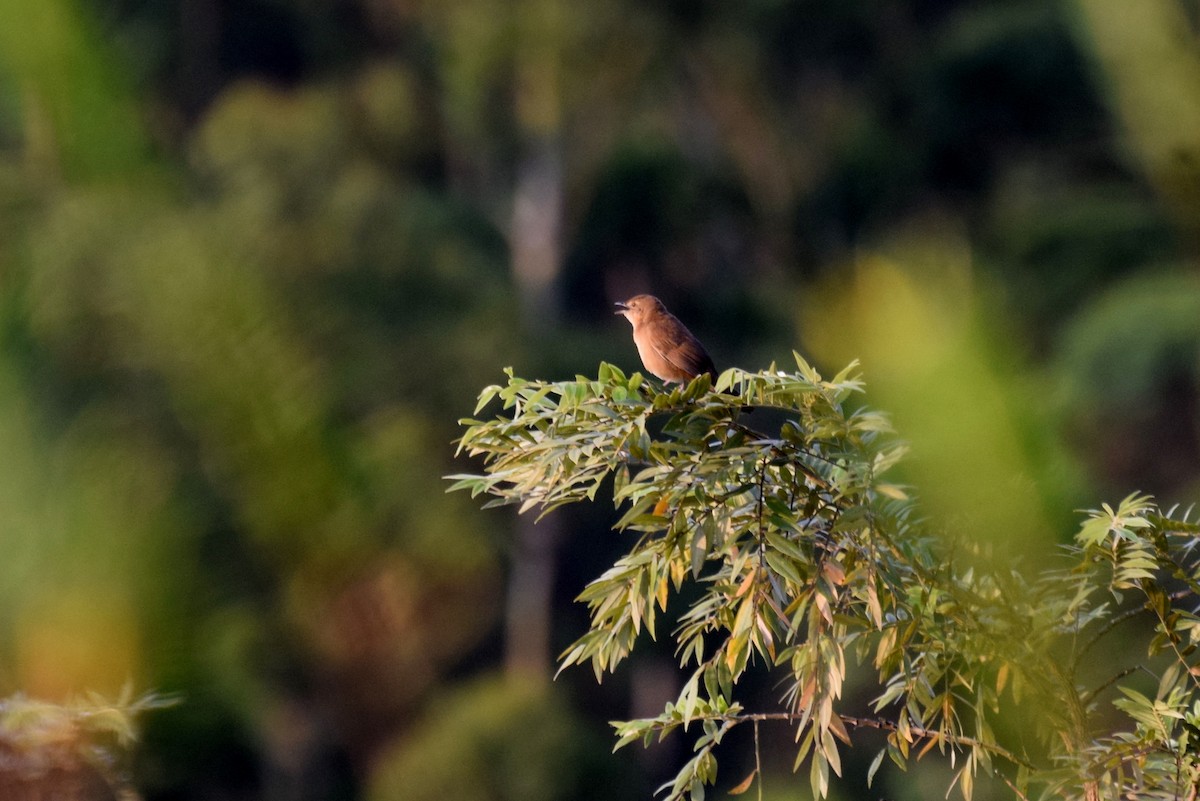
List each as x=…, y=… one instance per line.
x=639, y=307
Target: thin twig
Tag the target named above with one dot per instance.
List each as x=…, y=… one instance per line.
x=1090, y=696
x=1012, y=786
x=1105, y=629
x=866, y=723
x=1175, y=647
x=758, y=762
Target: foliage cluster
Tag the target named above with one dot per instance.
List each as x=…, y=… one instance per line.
x=806, y=563
x=74, y=750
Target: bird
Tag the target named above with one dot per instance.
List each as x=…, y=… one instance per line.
x=668, y=349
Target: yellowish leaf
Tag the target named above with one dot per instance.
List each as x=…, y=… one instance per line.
x=744, y=784
x=839, y=729
x=873, y=606
x=927, y=747
x=823, y=605
x=834, y=572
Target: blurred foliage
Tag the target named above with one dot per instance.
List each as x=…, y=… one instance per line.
x=493, y=740
x=1157, y=99
x=1124, y=380
x=76, y=751
x=257, y=256
x=1110, y=353
x=988, y=459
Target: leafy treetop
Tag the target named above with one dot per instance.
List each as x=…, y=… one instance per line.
x=810, y=563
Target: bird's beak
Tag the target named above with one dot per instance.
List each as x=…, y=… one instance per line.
x=621, y=307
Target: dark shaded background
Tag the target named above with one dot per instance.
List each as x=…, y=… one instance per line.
x=256, y=258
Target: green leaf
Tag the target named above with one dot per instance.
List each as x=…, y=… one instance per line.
x=818, y=775
x=829, y=748
x=874, y=767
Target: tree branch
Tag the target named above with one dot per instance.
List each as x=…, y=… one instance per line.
x=862, y=723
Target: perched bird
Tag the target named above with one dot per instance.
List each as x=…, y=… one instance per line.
x=667, y=348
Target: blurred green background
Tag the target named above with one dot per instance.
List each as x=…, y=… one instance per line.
x=258, y=256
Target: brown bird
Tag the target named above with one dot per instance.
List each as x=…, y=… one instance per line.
x=667, y=348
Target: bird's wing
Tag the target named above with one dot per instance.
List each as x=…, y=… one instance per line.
x=683, y=351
